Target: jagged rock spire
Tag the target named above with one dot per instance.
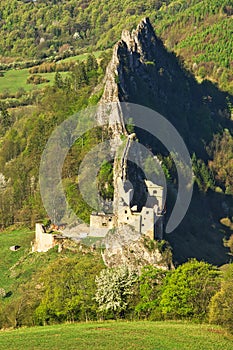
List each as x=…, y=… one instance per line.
x=137, y=47
x=141, y=41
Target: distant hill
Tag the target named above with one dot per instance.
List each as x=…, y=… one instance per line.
x=199, y=31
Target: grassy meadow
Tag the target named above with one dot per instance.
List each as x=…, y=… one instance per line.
x=15, y=79
x=8, y=258
x=118, y=335
x=18, y=267
x=81, y=57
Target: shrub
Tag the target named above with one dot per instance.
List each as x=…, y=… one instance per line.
x=36, y=79
x=221, y=311
x=188, y=290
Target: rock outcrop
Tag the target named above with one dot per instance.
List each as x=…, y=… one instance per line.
x=130, y=54
x=124, y=246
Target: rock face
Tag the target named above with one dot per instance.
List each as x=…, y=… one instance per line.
x=133, y=50
x=125, y=246
x=129, y=54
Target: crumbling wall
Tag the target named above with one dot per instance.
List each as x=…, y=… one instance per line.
x=43, y=241
x=100, y=224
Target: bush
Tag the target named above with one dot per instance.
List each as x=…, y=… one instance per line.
x=221, y=311
x=188, y=290
x=36, y=79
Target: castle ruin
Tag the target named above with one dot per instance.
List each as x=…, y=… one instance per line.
x=147, y=221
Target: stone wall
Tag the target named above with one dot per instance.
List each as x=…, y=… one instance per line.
x=100, y=224
x=43, y=241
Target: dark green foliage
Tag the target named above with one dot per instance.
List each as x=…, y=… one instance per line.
x=5, y=119
x=203, y=175
x=91, y=64
x=221, y=151
x=58, y=81
x=52, y=287
x=79, y=76
x=201, y=33
x=46, y=287
x=36, y=79
x=22, y=147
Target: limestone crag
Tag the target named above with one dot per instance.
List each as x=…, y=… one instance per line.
x=129, y=53
x=125, y=246
x=141, y=43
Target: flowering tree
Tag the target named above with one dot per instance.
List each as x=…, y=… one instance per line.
x=115, y=287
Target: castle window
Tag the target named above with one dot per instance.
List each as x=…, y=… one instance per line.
x=142, y=224
x=127, y=218
x=154, y=191
x=125, y=211
x=147, y=212
x=110, y=219
x=104, y=224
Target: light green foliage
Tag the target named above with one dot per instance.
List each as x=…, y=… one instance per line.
x=200, y=32
x=24, y=143
x=60, y=285
x=114, y=290
x=188, y=290
x=151, y=167
x=14, y=80
x=130, y=125
x=221, y=311
x=8, y=258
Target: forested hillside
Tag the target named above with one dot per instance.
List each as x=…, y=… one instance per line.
x=199, y=31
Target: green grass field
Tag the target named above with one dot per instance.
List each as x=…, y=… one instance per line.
x=81, y=57
x=15, y=79
x=118, y=335
x=9, y=258
x=18, y=267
